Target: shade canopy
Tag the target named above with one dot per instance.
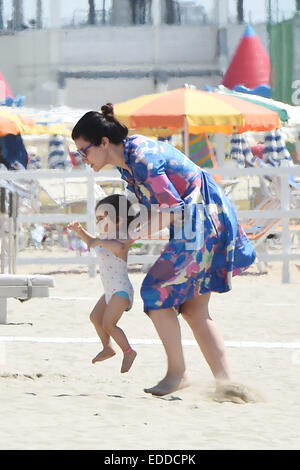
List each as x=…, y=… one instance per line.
x=52, y=121
x=196, y=111
x=288, y=114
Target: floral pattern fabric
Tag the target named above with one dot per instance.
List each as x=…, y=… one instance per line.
x=192, y=264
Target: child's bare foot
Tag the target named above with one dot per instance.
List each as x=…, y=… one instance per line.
x=171, y=383
x=128, y=359
x=106, y=353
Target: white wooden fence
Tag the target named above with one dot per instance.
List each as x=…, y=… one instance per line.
x=284, y=213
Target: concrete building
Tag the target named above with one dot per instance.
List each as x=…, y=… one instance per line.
x=86, y=66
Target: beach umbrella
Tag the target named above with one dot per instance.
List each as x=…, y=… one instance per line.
x=275, y=151
x=240, y=151
x=194, y=111
x=288, y=114
x=51, y=121
x=201, y=151
x=10, y=123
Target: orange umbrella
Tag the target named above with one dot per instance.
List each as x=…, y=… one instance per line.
x=10, y=123
x=195, y=111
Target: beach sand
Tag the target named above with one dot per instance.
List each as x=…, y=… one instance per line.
x=53, y=397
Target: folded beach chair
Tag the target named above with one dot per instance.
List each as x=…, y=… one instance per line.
x=58, y=157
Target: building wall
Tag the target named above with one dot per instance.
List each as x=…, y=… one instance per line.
x=124, y=61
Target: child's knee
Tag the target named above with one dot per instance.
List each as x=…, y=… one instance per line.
x=107, y=325
x=93, y=317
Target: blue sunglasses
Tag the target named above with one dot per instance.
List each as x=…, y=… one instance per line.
x=82, y=152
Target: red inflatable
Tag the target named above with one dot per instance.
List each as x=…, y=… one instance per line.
x=250, y=65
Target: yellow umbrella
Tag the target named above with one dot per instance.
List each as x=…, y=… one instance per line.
x=194, y=111
x=28, y=122
x=10, y=123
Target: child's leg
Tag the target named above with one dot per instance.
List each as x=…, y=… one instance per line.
x=113, y=312
x=96, y=318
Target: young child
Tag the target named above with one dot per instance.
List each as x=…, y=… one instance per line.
x=112, y=251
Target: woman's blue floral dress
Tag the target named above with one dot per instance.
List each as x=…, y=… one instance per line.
x=202, y=258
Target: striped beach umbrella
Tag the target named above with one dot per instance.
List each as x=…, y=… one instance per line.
x=240, y=151
x=275, y=151
x=194, y=111
x=289, y=115
x=201, y=151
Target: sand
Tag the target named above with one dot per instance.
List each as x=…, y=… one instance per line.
x=53, y=397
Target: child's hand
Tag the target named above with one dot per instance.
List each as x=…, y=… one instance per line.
x=75, y=226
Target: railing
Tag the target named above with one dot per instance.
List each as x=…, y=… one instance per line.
x=56, y=218
x=284, y=213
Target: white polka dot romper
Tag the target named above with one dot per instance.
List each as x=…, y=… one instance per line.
x=114, y=275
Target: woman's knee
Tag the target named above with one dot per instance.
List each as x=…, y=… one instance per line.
x=196, y=308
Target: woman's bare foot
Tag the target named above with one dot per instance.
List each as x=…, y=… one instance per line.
x=235, y=393
x=128, y=359
x=171, y=383
x=106, y=353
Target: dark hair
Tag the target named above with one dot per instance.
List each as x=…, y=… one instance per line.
x=93, y=125
x=119, y=203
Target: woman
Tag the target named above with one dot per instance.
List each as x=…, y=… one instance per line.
x=191, y=266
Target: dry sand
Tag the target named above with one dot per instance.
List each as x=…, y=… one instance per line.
x=53, y=397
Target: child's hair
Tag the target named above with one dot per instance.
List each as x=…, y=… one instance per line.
x=93, y=125
x=120, y=203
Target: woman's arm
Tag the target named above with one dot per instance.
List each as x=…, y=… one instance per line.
x=155, y=223
x=166, y=204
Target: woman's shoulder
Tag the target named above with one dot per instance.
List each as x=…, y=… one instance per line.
x=140, y=144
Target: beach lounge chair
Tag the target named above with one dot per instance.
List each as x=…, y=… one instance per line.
x=22, y=287
x=266, y=230
x=259, y=230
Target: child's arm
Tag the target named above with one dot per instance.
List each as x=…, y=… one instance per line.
x=81, y=232
x=118, y=247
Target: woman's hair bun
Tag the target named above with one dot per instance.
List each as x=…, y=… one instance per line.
x=107, y=110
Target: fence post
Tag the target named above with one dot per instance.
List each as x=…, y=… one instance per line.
x=3, y=310
x=286, y=239
x=3, y=218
